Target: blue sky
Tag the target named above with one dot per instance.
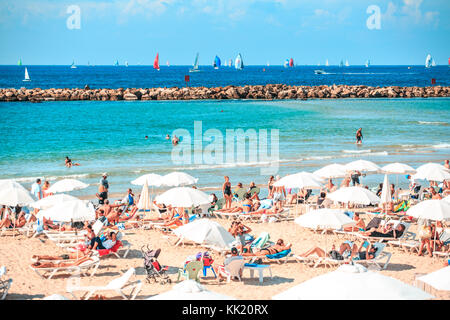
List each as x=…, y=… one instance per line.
x=262, y=30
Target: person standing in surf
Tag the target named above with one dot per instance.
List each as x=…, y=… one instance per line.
x=359, y=136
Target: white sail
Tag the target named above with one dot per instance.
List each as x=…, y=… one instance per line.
x=238, y=63
x=428, y=61
x=27, y=76
x=195, y=68
x=73, y=66
x=126, y=63
x=346, y=63
x=326, y=63
x=433, y=63
x=367, y=63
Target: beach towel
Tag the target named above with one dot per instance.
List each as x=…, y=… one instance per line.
x=114, y=248
x=279, y=255
x=261, y=240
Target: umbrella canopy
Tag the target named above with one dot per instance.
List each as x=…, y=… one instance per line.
x=152, y=179
x=356, y=195
x=330, y=171
x=51, y=201
x=177, y=179
x=353, y=282
x=386, y=195
x=190, y=290
x=300, y=180
x=205, y=231
x=363, y=166
x=183, y=197
x=324, y=219
x=398, y=168
x=67, y=185
x=14, y=194
x=437, y=210
x=440, y=280
x=55, y=297
x=69, y=211
x=447, y=198
x=432, y=172
x=145, y=202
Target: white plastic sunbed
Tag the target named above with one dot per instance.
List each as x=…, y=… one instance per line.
x=4, y=284
x=117, y=285
x=87, y=268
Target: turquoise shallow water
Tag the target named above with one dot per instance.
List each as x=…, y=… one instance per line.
x=109, y=136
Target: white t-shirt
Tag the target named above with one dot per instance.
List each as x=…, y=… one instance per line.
x=36, y=189
x=108, y=244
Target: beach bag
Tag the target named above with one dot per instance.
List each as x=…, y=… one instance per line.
x=424, y=232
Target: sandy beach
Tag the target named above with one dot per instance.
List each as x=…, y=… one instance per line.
x=28, y=285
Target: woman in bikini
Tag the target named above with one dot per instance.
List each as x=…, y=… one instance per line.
x=278, y=247
x=61, y=264
x=226, y=190
x=270, y=186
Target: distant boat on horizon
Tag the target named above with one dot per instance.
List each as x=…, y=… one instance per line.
x=73, y=66
x=367, y=63
x=230, y=63
x=286, y=63
x=19, y=63
x=238, y=62
x=341, y=64
x=320, y=71
x=195, y=67
x=116, y=64
x=217, y=63
x=156, y=62
x=346, y=63
x=167, y=63
x=225, y=63
x=268, y=64
x=126, y=63
x=27, y=76
x=428, y=61
x=326, y=63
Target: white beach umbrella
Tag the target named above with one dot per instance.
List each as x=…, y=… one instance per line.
x=331, y=171
x=190, y=290
x=440, y=279
x=152, y=179
x=205, y=231
x=300, y=180
x=14, y=194
x=55, y=297
x=362, y=166
x=324, y=219
x=355, y=195
x=447, y=198
x=10, y=183
x=183, y=197
x=432, y=172
x=386, y=196
x=69, y=211
x=67, y=185
x=177, y=179
x=145, y=202
x=353, y=282
x=436, y=210
x=51, y=201
x=398, y=168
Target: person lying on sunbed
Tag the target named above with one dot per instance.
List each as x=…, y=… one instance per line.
x=97, y=243
x=68, y=256
x=358, y=226
x=19, y=223
x=237, y=209
x=278, y=247
x=348, y=250
x=273, y=210
x=62, y=264
x=392, y=233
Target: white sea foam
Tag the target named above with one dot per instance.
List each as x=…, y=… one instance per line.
x=357, y=151
x=51, y=178
x=442, y=146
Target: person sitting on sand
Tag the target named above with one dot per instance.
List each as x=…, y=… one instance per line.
x=61, y=264
x=392, y=233
x=276, y=248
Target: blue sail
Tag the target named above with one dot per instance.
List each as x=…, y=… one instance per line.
x=217, y=62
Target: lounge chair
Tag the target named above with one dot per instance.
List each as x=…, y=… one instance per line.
x=4, y=284
x=87, y=268
x=191, y=271
x=380, y=254
x=117, y=285
x=282, y=256
x=233, y=270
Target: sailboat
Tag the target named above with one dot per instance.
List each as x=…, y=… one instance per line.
x=433, y=63
x=167, y=63
x=428, y=61
x=326, y=63
x=195, y=68
x=341, y=64
x=291, y=63
x=367, y=63
x=27, y=76
x=230, y=63
x=346, y=63
x=238, y=62
x=217, y=62
x=286, y=63
x=156, y=62
x=268, y=64
x=126, y=63
x=116, y=63
x=225, y=63
x=73, y=66
x=19, y=63
x=449, y=62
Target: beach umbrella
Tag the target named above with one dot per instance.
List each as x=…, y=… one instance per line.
x=362, y=166
x=69, y=211
x=355, y=195
x=183, y=197
x=324, y=219
x=152, y=179
x=353, y=282
x=9, y=183
x=398, y=168
x=300, y=180
x=386, y=196
x=55, y=297
x=436, y=210
x=177, y=179
x=145, y=202
x=67, y=185
x=51, y=201
x=440, y=279
x=190, y=290
x=447, y=198
x=205, y=231
x=432, y=172
x=331, y=171
x=14, y=194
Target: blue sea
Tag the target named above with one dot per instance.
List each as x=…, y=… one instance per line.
x=110, y=136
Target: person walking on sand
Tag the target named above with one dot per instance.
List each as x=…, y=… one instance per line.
x=226, y=190
x=359, y=136
x=36, y=189
x=104, y=186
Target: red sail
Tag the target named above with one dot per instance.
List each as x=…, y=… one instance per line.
x=156, y=62
x=291, y=62
x=449, y=61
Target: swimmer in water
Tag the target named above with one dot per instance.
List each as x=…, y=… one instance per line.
x=167, y=137
x=69, y=163
x=175, y=140
x=146, y=137
x=359, y=136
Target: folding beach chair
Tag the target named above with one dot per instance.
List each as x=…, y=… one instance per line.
x=380, y=254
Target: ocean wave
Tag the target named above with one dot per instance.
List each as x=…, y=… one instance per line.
x=52, y=178
x=437, y=123
x=357, y=151
x=442, y=146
